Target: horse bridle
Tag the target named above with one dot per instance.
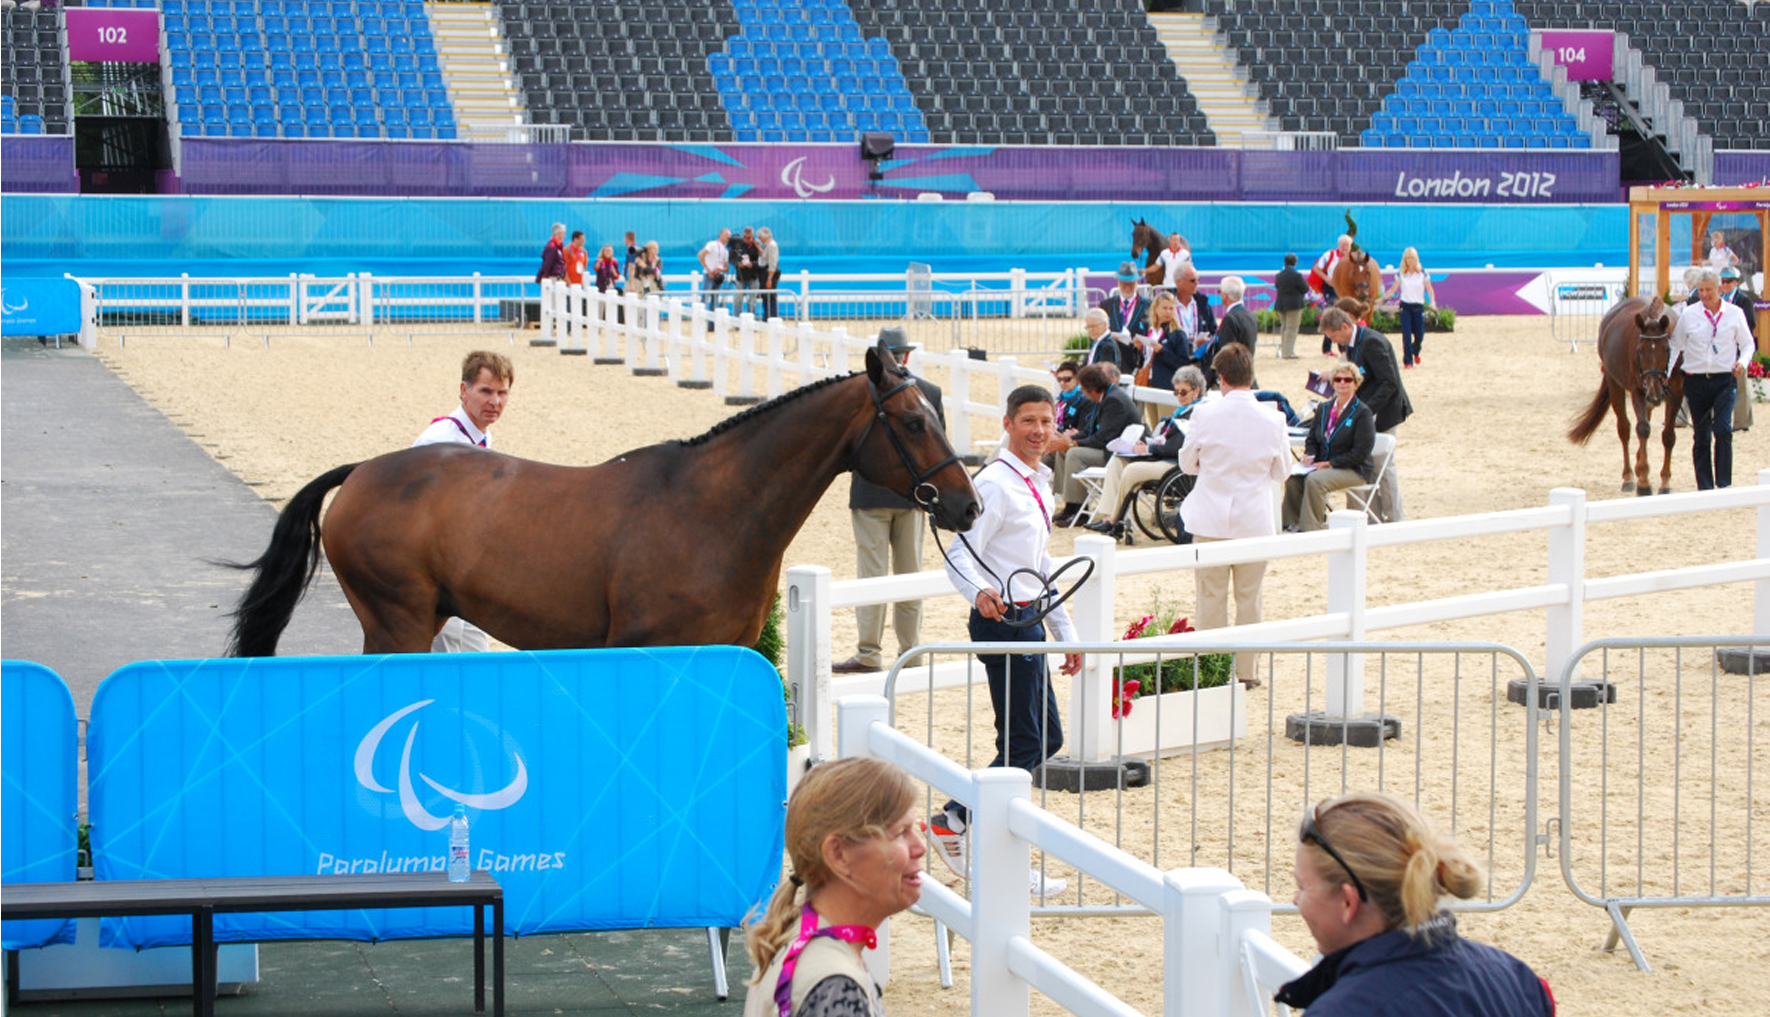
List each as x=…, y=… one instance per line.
x=922, y=492
x=1644, y=372
x=927, y=496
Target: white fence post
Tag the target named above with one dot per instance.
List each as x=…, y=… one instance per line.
x=694, y=327
x=776, y=354
x=547, y=309
x=999, y=900
x=804, y=301
x=294, y=299
x=958, y=424
x=1090, y=695
x=1567, y=568
x=184, y=299
x=808, y=654
x=1005, y=381
x=807, y=352
x=366, y=293
x=839, y=350
x=1195, y=971
x=1017, y=298
x=612, y=311
x=652, y=336
x=1243, y=911
x=1345, y=588
x=479, y=309
x=1761, y=589
x=746, y=358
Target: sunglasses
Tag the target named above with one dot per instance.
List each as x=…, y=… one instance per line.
x=1345, y=378
x=1311, y=833
x=1065, y=379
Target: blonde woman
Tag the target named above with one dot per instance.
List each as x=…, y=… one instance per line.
x=856, y=848
x=1370, y=878
x=1165, y=348
x=1414, y=290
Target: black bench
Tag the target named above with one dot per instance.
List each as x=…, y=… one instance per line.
x=203, y=899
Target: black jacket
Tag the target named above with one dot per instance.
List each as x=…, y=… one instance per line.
x=864, y=494
x=1382, y=390
x=1114, y=306
x=1349, y=446
x=1291, y=291
x=1117, y=411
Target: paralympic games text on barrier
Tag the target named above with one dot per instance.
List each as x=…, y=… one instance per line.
x=607, y=789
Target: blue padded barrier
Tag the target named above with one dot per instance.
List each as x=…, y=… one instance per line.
x=606, y=789
x=38, y=758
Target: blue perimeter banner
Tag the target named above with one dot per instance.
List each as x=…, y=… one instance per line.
x=37, y=305
x=605, y=789
x=38, y=746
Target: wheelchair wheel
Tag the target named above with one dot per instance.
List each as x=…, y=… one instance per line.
x=1142, y=510
x=1168, y=497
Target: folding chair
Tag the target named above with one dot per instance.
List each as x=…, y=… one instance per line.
x=1364, y=494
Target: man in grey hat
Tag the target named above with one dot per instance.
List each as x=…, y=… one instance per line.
x=1127, y=318
x=887, y=540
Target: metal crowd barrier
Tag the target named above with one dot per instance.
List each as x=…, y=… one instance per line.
x=1577, y=303
x=1661, y=782
x=1234, y=769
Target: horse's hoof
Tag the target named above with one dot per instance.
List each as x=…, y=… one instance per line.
x=1645, y=492
x=1627, y=487
x=1665, y=490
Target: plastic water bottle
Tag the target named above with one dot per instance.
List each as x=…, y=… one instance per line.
x=459, y=870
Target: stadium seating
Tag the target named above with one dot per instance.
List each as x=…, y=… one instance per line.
x=1474, y=86
x=274, y=62
x=34, y=72
x=1084, y=72
x=1712, y=54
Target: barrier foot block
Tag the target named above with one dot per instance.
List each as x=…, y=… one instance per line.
x=607, y=360
x=649, y=372
x=742, y=400
x=687, y=383
x=1365, y=731
x=1584, y=695
x=542, y=342
x=1065, y=774
x=1743, y=660
x=573, y=352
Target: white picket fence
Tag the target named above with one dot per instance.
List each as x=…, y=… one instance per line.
x=1218, y=954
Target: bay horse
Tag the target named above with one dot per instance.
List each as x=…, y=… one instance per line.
x=1634, y=352
x=675, y=543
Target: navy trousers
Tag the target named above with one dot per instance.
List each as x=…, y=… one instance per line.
x=1711, y=420
x=1028, y=728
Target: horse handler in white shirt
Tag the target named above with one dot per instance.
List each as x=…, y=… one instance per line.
x=1714, y=345
x=989, y=568
x=1238, y=448
x=485, y=389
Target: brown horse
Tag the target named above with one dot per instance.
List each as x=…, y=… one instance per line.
x=1358, y=276
x=1149, y=242
x=1634, y=351
x=678, y=543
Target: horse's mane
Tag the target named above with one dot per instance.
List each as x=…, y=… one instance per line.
x=732, y=422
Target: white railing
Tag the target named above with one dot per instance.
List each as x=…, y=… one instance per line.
x=143, y=306
x=812, y=597
x=1218, y=955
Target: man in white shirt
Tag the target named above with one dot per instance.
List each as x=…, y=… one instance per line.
x=715, y=258
x=1177, y=256
x=1714, y=345
x=485, y=389
x=1238, y=449
x=1321, y=277
x=1012, y=534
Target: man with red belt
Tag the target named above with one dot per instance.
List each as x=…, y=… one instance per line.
x=1012, y=535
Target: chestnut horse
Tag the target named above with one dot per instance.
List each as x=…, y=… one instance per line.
x=677, y=543
x=1634, y=351
x=1358, y=276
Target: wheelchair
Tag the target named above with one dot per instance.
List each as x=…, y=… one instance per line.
x=1154, y=508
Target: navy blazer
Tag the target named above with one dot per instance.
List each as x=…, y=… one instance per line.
x=1381, y=389
x=1116, y=412
x=1114, y=306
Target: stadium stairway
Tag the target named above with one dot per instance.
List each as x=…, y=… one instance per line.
x=1212, y=75
x=475, y=66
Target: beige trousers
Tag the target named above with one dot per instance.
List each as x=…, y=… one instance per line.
x=887, y=541
x=1212, y=587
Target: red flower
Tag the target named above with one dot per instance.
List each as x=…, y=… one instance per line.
x=1125, y=691
x=1180, y=625
x=1136, y=630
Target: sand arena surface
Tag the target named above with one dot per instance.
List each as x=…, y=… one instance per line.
x=1492, y=405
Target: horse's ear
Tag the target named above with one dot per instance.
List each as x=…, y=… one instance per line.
x=1649, y=320
x=877, y=357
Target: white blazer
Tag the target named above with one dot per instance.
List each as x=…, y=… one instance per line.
x=1238, y=448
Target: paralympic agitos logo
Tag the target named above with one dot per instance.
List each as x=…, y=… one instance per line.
x=406, y=784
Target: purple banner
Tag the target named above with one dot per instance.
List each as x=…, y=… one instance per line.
x=1737, y=166
x=113, y=35
x=1586, y=53
x=38, y=164
x=812, y=172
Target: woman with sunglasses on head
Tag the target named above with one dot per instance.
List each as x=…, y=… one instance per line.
x=855, y=844
x=1370, y=878
x=1336, y=454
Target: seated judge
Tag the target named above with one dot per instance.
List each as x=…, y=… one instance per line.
x=1336, y=455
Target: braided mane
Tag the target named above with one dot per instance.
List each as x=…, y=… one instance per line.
x=732, y=422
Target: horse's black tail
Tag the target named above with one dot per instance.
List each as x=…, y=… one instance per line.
x=284, y=570
x=1588, y=422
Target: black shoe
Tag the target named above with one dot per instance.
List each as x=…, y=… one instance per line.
x=853, y=666
x=1064, y=518
x=1103, y=526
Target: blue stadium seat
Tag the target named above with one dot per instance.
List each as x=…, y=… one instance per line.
x=420, y=117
